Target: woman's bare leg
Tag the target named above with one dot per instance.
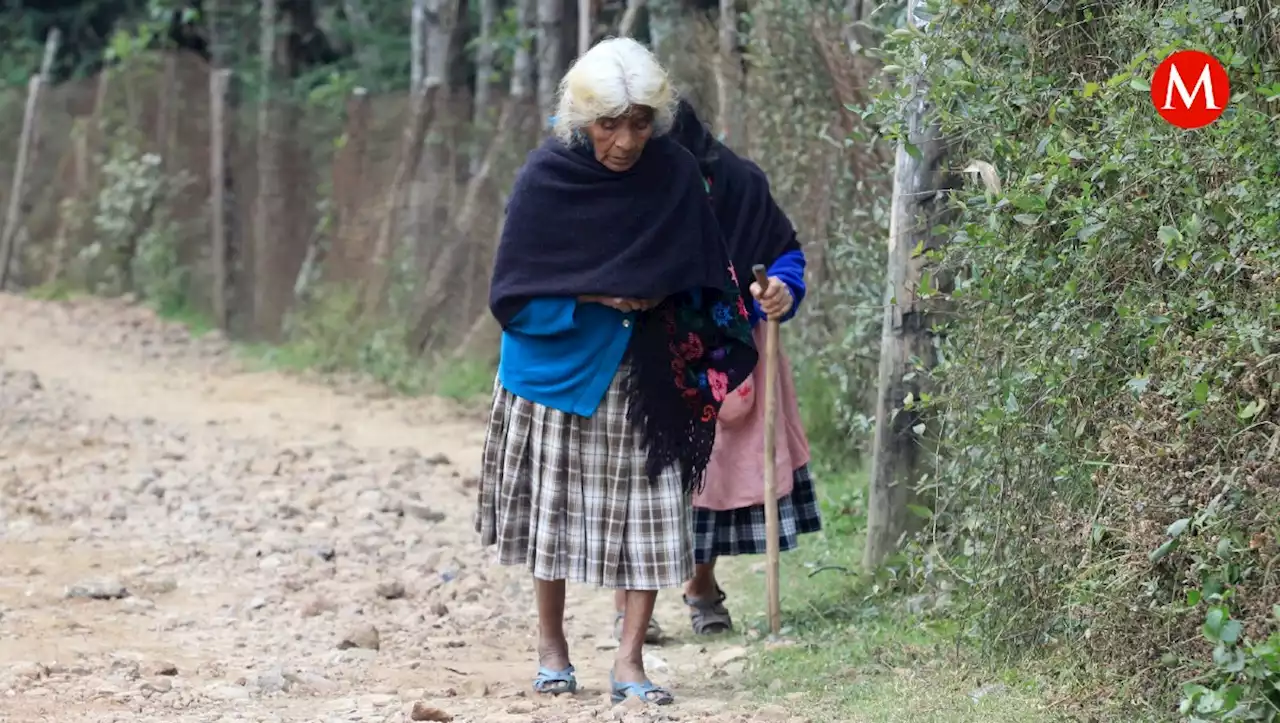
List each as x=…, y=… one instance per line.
x=703, y=583
x=553, y=646
x=620, y=601
x=707, y=613
x=628, y=664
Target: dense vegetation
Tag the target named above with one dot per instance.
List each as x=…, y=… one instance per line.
x=1107, y=488
x=1110, y=484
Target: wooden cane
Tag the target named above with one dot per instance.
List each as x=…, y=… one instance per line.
x=772, y=543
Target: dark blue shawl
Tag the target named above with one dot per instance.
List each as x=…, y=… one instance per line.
x=755, y=228
x=576, y=228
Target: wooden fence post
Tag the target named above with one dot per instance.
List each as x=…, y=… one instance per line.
x=26, y=153
x=906, y=346
x=219, y=81
x=52, y=42
x=12, y=218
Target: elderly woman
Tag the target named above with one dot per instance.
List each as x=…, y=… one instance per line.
x=729, y=510
x=623, y=332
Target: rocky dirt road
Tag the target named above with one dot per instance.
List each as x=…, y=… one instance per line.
x=183, y=540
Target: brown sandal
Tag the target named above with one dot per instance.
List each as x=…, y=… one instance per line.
x=709, y=616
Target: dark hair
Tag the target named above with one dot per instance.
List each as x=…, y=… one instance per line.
x=689, y=131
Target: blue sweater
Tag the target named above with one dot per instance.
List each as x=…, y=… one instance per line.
x=563, y=354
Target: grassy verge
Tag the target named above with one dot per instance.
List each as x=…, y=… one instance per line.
x=462, y=380
x=859, y=658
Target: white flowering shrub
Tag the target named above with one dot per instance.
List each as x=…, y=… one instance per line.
x=134, y=239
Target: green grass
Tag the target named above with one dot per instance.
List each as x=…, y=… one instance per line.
x=197, y=322
x=858, y=657
x=54, y=291
x=463, y=380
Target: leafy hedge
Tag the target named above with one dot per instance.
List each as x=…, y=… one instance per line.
x=1110, y=481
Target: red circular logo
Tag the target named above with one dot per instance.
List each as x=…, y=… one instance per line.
x=1190, y=89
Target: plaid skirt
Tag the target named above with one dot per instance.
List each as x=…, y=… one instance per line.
x=719, y=533
x=568, y=497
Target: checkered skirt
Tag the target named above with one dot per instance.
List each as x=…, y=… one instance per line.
x=567, y=496
x=719, y=533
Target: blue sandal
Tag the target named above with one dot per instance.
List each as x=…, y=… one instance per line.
x=646, y=691
x=551, y=682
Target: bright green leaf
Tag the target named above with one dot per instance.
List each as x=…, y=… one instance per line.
x=1163, y=550
x=1088, y=232
x=1230, y=632
x=1213, y=622
x=921, y=512
x=1201, y=392
x=1117, y=80
x=1168, y=235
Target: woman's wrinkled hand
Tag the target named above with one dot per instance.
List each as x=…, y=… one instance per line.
x=776, y=301
x=622, y=304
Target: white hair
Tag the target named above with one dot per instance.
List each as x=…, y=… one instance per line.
x=605, y=81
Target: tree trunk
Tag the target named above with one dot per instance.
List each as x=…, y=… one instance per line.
x=522, y=65
x=438, y=32
x=268, y=204
x=224, y=204
x=417, y=77
x=728, y=66
x=433, y=179
x=627, y=25
x=481, y=121
x=586, y=21
x=907, y=349
x=417, y=43
x=219, y=80
x=550, y=54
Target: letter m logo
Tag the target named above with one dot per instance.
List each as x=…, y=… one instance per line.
x=1199, y=104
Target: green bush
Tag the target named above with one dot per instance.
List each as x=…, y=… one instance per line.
x=1110, y=475
x=330, y=334
x=135, y=240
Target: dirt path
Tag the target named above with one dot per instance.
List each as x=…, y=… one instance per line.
x=241, y=526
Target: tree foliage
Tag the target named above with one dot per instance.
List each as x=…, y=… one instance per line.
x=1110, y=484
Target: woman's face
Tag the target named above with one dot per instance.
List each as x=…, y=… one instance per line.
x=617, y=142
